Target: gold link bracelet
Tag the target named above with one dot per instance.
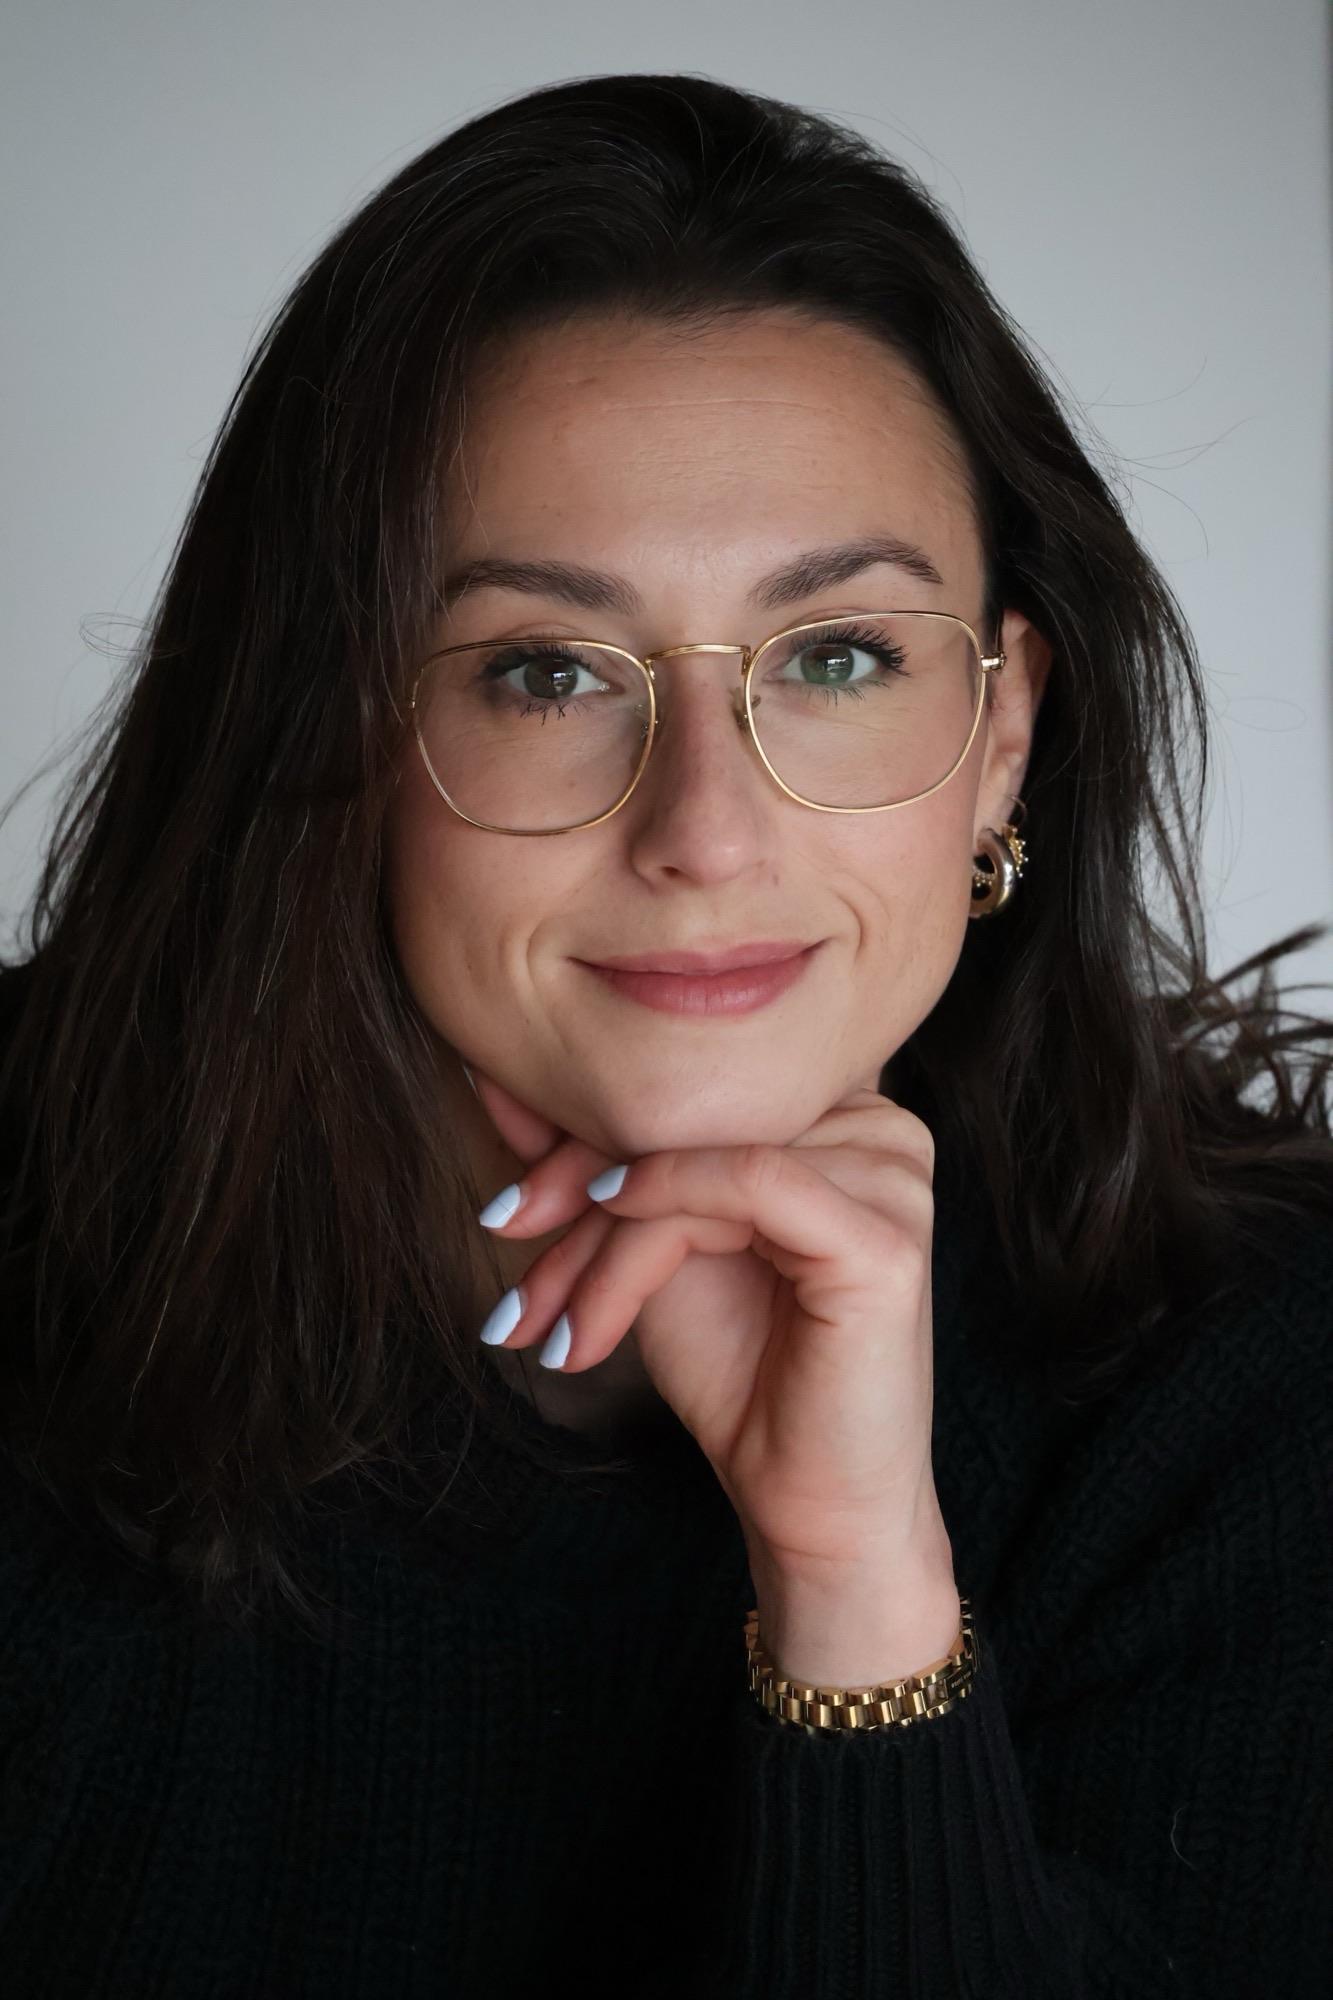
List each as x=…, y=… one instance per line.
x=893, y=1704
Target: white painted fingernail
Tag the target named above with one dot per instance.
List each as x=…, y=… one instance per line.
x=555, y=1347
x=608, y=1184
x=501, y=1207
x=504, y=1317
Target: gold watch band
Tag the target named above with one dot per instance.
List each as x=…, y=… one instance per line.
x=893, y=1704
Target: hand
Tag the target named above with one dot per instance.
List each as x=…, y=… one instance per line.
x=781, y=1300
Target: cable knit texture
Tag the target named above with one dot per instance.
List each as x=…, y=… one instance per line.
x=528, y=1761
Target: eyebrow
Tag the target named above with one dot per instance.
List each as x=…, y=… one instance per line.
x=599, y=590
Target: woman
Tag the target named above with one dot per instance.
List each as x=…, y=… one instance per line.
x=937, y=1292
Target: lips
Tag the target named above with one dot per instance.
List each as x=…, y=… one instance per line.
x=706, y=964
x=714, y=995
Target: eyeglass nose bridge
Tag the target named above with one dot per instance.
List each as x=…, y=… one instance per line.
x=747, y=653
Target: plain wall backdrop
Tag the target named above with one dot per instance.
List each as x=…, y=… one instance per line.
x=1145, y=187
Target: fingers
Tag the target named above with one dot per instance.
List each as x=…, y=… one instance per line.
x=585, y=1292
x=545, y=1286
x=896, y=1130
x=543, y=1200
x=834, y=1213
x=837, y=1231
x=827, y=1216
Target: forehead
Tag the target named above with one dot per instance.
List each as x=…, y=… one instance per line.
x=728, y=436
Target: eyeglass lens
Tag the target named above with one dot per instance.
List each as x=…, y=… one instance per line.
x=536, y=735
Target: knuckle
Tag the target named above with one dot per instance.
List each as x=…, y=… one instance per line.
x=906, y=1253
x=761, y=1164
x=597, y=1287
x=918, y=1139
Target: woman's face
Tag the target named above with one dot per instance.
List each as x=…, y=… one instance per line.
x=691, y=466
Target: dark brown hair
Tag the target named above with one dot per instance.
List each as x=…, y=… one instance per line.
x=243, y=1245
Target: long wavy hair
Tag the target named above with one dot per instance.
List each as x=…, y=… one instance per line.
x=240, y=1241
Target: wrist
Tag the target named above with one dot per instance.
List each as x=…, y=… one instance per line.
x=858, y=1630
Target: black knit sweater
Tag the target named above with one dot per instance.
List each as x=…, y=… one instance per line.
x=530, y=1763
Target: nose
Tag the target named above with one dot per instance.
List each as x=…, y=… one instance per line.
x=701, y=735
x=692, y=740
x=704, y=806
x=737, y=653
x=739, y=715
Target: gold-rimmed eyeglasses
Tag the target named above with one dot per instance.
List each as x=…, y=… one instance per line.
x=859, y=711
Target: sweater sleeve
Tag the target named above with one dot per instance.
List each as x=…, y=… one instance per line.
x=1152, y=1817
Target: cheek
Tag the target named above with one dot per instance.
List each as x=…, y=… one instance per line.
x=918, y=903
x=429, y=911
x=462, y=908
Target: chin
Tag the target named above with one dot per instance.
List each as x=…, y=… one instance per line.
x=684, y=1110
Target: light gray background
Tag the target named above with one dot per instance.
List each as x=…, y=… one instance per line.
x=1146, y=187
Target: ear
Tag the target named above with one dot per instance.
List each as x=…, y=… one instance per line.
x=1015, y=694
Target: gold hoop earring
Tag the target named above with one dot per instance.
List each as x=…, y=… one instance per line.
x=993, y=887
